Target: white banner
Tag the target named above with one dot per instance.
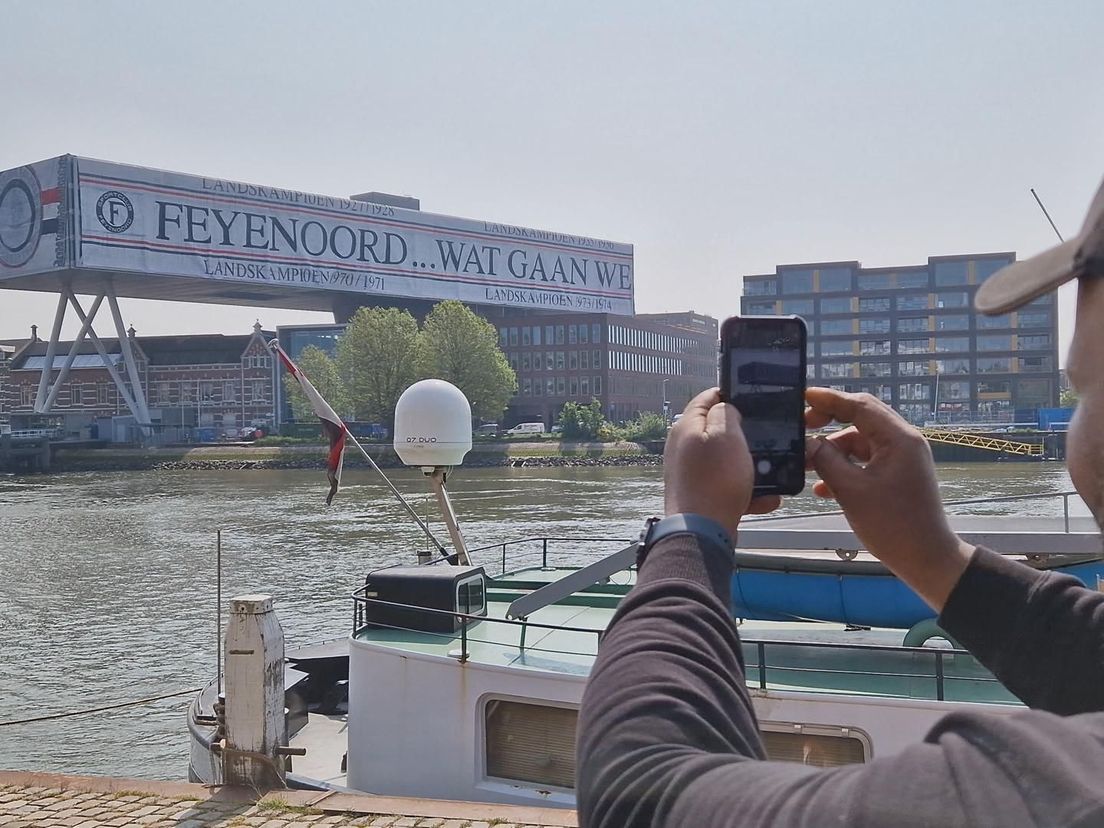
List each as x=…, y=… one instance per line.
x=161, y=223
x=34, y=225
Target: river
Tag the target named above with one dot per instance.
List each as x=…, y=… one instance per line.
x=107, y=581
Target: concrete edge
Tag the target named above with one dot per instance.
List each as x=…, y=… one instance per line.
x=327, y=801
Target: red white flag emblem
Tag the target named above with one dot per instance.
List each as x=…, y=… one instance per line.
x=332, y=426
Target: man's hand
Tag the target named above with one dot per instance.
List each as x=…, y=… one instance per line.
x=892, y=499
x=707, y=466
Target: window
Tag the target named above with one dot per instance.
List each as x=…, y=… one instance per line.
x=954, y=390
x=550, y=387
x=584, y=386
x=259, y=391
x=828, y=327
x=875, y=369
x=536, y=335
x=760, y=287
x=758, y=308
x=513, y=360
x=503, y=337
x=1037, y=342
x=595, y=333
x=798, y=306
x=834, y=370
x=945, y=344
x=103, y=391
x=984, y=388
x=530, y=742
x=952, y=300
x=550, y=360
x=1001, y=342
x=1033, y=392
x=1035, y=363
x=836, y=347
x=595, y=359
x=526, y=335
x=913, y=279
x=572, y=334
x=914, y=391
x=994, y=365
x=573, y=387
x=584, y=360
x=470, y=596
x=526, y=361
x=513, y=337
x=837, y=304
x=527, y=387
x=991, y=322
x=984, y=268
x=914, y=301
x=873, y=326
x=584, y=334
x=538, y=360
x=912, y=324
x=912, y=369
x=874, y=346
x=561, y=386
x=573, y=360
x=559, y=360
x=597, y=385
x=549, y=335
x=559, y=334
x=1034, y=319
x=27, y=395
x=950, y=273
x=206, y=391
x=875, y=281
x=952, y=366
x=835, y=279
x=538, y=388
x=912, y=346
x=952, y=322
x=877, y=304
x=797, y=281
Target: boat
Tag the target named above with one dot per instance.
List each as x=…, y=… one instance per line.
x=461, y=677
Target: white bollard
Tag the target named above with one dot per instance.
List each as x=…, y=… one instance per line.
x=255, y=725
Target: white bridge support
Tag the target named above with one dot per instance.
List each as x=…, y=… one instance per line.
x=133, y=395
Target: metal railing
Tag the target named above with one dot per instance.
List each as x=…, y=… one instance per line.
x=543, y=541
x=973, y=501
x=757, y=674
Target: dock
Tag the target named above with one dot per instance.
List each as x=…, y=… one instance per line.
x=46, y=800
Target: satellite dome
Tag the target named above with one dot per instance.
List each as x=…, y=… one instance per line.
x=433, y=424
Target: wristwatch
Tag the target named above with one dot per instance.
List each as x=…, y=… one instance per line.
x=685, y=523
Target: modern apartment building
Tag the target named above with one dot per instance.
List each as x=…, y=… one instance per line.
x=909, y=335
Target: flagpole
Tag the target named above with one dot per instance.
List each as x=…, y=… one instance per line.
x=398, y=494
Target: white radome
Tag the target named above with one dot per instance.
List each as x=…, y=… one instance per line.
x=433, y=424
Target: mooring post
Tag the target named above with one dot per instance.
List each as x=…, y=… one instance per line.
x=255, y=726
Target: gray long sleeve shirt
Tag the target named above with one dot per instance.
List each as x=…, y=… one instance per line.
x=668, y=736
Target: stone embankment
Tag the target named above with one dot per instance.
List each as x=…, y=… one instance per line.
x=246, y=457
x=43, y=800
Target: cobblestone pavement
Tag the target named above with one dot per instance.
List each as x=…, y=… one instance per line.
x=89, y=802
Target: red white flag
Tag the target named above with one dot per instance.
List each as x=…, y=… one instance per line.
x=332, y=426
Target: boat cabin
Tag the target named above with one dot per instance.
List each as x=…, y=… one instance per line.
x=429, y=598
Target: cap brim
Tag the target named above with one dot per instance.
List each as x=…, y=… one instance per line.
x=1020, y=282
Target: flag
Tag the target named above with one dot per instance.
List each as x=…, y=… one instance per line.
x=332, y=427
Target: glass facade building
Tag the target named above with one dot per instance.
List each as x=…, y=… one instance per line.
x=909, y=335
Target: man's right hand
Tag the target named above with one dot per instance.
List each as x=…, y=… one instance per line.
x=890, y=496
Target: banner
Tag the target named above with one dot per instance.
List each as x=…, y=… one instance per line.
x=34, y=218
x=138, y=220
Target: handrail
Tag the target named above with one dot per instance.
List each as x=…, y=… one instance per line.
x=761, y=646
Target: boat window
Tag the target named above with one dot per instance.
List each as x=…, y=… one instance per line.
x=469, y=596
x=822, y=747
x=531, y=742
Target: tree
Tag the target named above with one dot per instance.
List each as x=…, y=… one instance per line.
x=647, y=426
x=461, y=347
x=1068, y=398
x=321, y=371
x=378, y=358
x=581, y=422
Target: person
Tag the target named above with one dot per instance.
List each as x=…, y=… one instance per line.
x=667, y=734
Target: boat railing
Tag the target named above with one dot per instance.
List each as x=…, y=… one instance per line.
x=973, y=501
x=538, y=546
x=774, y=660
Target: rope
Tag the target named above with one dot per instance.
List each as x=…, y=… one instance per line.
x=134, y=703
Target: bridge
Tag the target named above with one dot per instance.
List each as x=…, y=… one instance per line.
x=984, y=442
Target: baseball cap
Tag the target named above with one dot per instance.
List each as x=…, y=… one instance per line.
x=1020, y=282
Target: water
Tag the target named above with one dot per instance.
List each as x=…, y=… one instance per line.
x=107, y=581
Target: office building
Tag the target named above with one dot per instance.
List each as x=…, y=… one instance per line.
x=909, y=335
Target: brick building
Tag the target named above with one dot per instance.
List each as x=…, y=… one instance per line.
x=197, y=387
x=6, y=353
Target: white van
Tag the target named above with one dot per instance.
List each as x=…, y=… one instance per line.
x=526, y=428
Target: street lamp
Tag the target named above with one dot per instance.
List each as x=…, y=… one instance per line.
x=666, y=404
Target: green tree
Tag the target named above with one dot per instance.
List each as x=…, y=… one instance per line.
x=378, y=359
x=647, y=426
x=581, y=422
x=1068, y=398
x=461, y=347
x=322, y=372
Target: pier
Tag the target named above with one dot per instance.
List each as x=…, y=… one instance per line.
x=25, y=451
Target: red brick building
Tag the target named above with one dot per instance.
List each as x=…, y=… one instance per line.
x=196, y=387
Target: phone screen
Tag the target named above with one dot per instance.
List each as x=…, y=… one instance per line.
x=764, y=365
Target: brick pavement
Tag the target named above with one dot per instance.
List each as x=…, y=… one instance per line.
x=36, y=800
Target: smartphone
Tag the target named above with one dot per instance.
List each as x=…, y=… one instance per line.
x=763, y=375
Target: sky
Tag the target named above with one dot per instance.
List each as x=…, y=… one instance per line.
x=720, y=139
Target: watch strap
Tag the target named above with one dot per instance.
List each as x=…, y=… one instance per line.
x=685, y=523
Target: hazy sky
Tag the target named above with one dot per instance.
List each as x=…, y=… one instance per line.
x=718, y=138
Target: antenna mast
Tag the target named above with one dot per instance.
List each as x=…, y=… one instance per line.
x=1045, y=213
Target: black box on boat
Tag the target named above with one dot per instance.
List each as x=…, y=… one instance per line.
x=404, y=597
